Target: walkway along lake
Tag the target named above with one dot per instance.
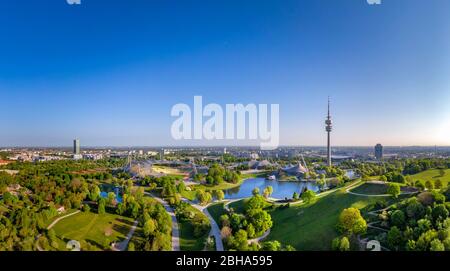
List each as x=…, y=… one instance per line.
x=281, y=189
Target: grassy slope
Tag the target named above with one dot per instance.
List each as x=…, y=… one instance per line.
x=188, y=241
x=216, y=210
x=90, y=227
x=371, y=189
x=313, y=226
x=432, y=175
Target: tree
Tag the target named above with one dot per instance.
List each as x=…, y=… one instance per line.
x=255, y=191
x=149, y=227
x=393, y=190
x=271, y=246
x=351, y=221
x=441, y=172
x=295, y=196
x=439, y=212
x=101, y=206
x=398, y=218
x=429, y=185
x=86, y=208
x=344, y=245
x=436, y=245
x=111, y=198
x=241, y=240
x=394, y=237
x=94, y=193
x=268, y=191
x=438, y=184
x=219, y=195
x=308, y=196
x=204, y=197
x=383, y=178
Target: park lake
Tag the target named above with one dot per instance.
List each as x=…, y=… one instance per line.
x=281, y=189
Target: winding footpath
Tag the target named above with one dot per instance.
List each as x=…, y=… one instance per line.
x=122, y=246
x=39, y=248
x=175, y=227
x=215, y=230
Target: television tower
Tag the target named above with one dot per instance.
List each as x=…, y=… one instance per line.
x=328, y=128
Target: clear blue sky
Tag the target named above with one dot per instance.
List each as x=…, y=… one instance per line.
x=108, y=72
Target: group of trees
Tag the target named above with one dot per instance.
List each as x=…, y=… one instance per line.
x=350, y=224
x=217, y=175
x=237, y=228
x=418, y=223
x=30, y=198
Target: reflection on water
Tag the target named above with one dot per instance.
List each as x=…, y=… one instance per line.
x=107, y=188
x=281, y=190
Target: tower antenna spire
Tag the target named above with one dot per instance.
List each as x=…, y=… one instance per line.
x=328, y=128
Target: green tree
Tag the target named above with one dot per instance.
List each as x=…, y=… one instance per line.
x=94, y=193
x=439, y=212
x=268, y=191
x=429, y=185
x=436, y=245
x=219, y=195
x=86, y=208
x=394, y=237
x=351, y=221
x=149, y=227
x=101, y=206
x=255, y=191
x=271, y=246
x=393, y=190
x=344, y=244
x=398, y=218
x=308, y=196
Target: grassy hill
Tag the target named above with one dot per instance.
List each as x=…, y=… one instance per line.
x=188, y=241
x=432, y=175
x=93, y=230
x=313, y=226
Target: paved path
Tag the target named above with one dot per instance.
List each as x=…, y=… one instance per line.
x=215, y=229
x=60, y=218
x=122, y=246
x=39, y=248
x=175, y=227
x=259, y=239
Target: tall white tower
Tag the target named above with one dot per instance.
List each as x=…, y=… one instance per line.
x=328, y=128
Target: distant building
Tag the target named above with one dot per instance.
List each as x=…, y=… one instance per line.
x=378, y=151
x=76, y=146
x=161, y=155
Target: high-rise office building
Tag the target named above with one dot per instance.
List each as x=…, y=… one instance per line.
x=161, y=155
x=378, y=151
x=76, y=146
x=328, y=128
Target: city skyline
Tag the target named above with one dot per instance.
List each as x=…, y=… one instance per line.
x=83, y=73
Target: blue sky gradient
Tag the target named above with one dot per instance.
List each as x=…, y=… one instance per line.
x=108, y=72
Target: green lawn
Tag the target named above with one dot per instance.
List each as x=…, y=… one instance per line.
x=370, y=189
x=190, y=195
x=238, y=206
x=313, y=226
x=222, y=186
x=93, y=230
x=432, y=175
x=216, y=210
x=188, y=242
